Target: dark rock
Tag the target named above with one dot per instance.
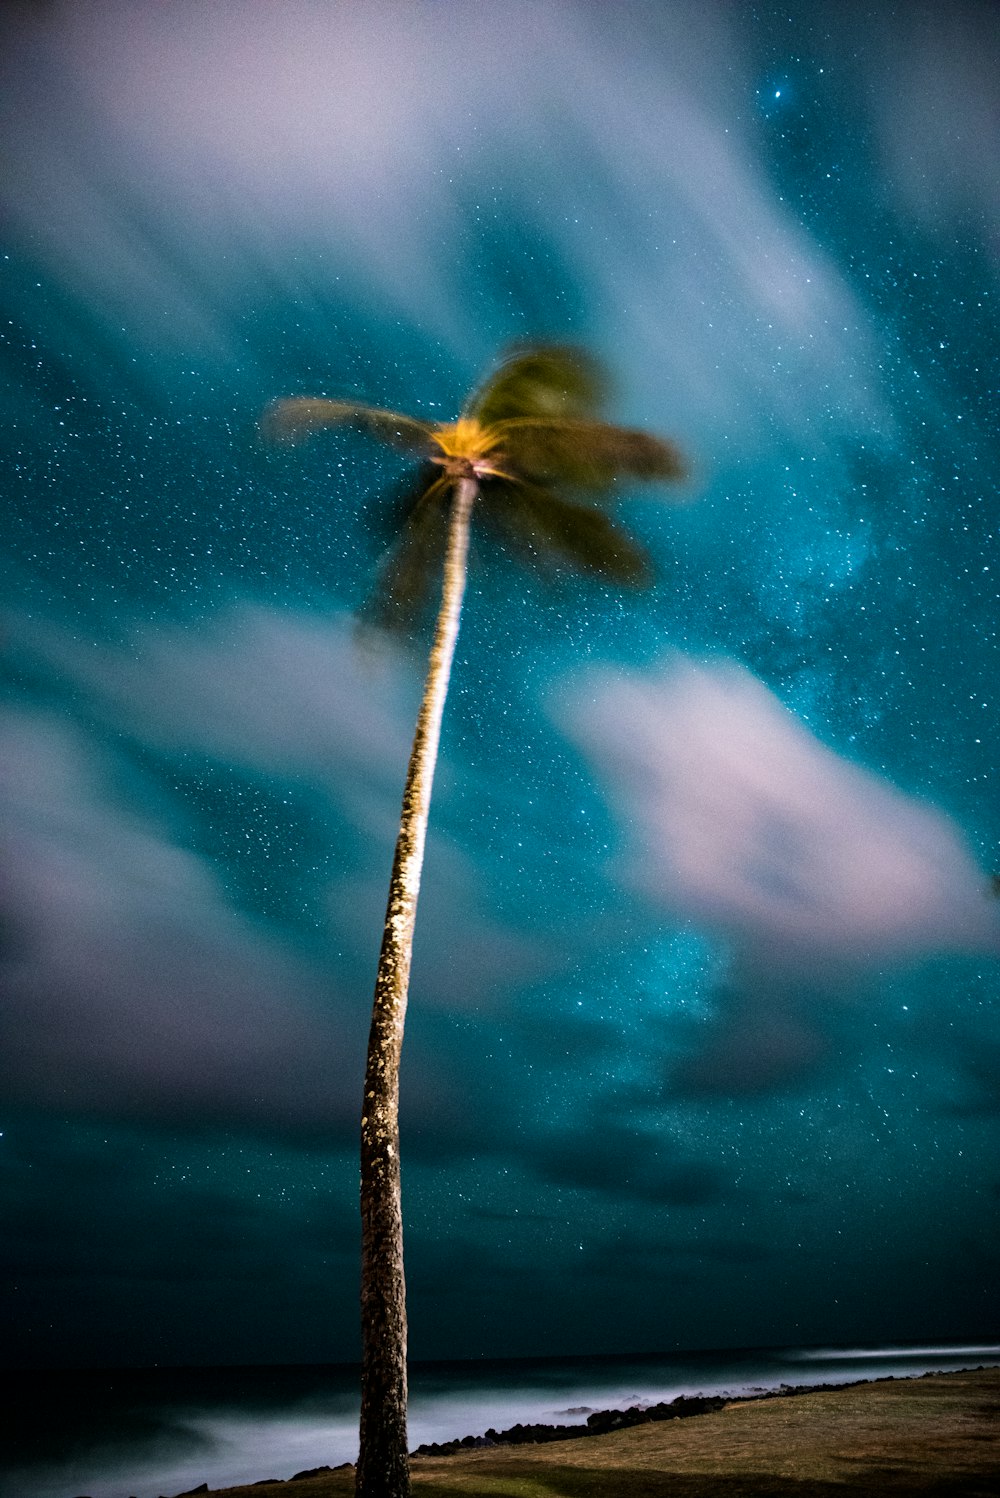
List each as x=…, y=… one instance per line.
x=661, y=1411
x=598, y=1422
x=604, y=1420
x=698, y=1404
x=201, y=1488
x=310, y=1472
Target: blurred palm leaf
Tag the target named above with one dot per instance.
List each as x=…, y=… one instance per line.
x=295, y=419
x=403, y=588
x=548, y=381
x=585, y=454
x=554, y=530
x=397, y=505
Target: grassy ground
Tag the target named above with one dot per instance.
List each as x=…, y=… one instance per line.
x=938, y=1435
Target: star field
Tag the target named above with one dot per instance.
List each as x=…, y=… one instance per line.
x=703, y=1047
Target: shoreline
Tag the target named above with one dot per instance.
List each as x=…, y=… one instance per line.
x=940, y=1441
x=600, y=1422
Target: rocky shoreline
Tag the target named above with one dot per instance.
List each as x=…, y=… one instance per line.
x=599, y=1422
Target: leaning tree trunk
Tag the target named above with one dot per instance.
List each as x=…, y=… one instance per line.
x=383, y=1464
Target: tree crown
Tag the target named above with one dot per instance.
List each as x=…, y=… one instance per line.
x=533, y=438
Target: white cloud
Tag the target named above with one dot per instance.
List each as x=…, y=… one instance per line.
x=183, y=149
x=287, y=695
x=131, y=986
x=741, y=820
x=268, y=689
x=935, y=100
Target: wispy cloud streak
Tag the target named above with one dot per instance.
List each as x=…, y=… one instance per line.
x=131, y=985
x=186, y=151
x=742, y=820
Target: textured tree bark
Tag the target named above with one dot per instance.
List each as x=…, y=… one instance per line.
x=383, y=1464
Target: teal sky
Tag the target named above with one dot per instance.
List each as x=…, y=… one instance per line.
x=703, y=1047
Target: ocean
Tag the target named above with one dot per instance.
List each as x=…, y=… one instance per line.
x=140, y=1433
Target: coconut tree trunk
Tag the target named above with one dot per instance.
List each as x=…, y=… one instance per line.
x=383, y=1464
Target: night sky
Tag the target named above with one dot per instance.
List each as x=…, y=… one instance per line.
x=703, y=1046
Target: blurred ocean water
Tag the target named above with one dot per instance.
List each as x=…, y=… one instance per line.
x=146, y=1432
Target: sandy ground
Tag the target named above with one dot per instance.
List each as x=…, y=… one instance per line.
x=933, y=1435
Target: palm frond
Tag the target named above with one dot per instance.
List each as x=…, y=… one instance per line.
x=548, y=380
x=391, y=510
x=407, y=578
x=585, y=454
x=295, y=419
x=554, y=529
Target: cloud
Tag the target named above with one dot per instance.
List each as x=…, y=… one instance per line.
x=743, y=822
x=272, y=690
x=291, y=695
x=131, y=987
x=767, y=1035
x=624, y=1161
x=135, y=986
x=160, y=156
x=934, y=100
x=464, y=961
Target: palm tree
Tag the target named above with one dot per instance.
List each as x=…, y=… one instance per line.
x=531, y=454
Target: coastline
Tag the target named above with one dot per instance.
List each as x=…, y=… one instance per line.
x=933, y=1433
x=601, y=1422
